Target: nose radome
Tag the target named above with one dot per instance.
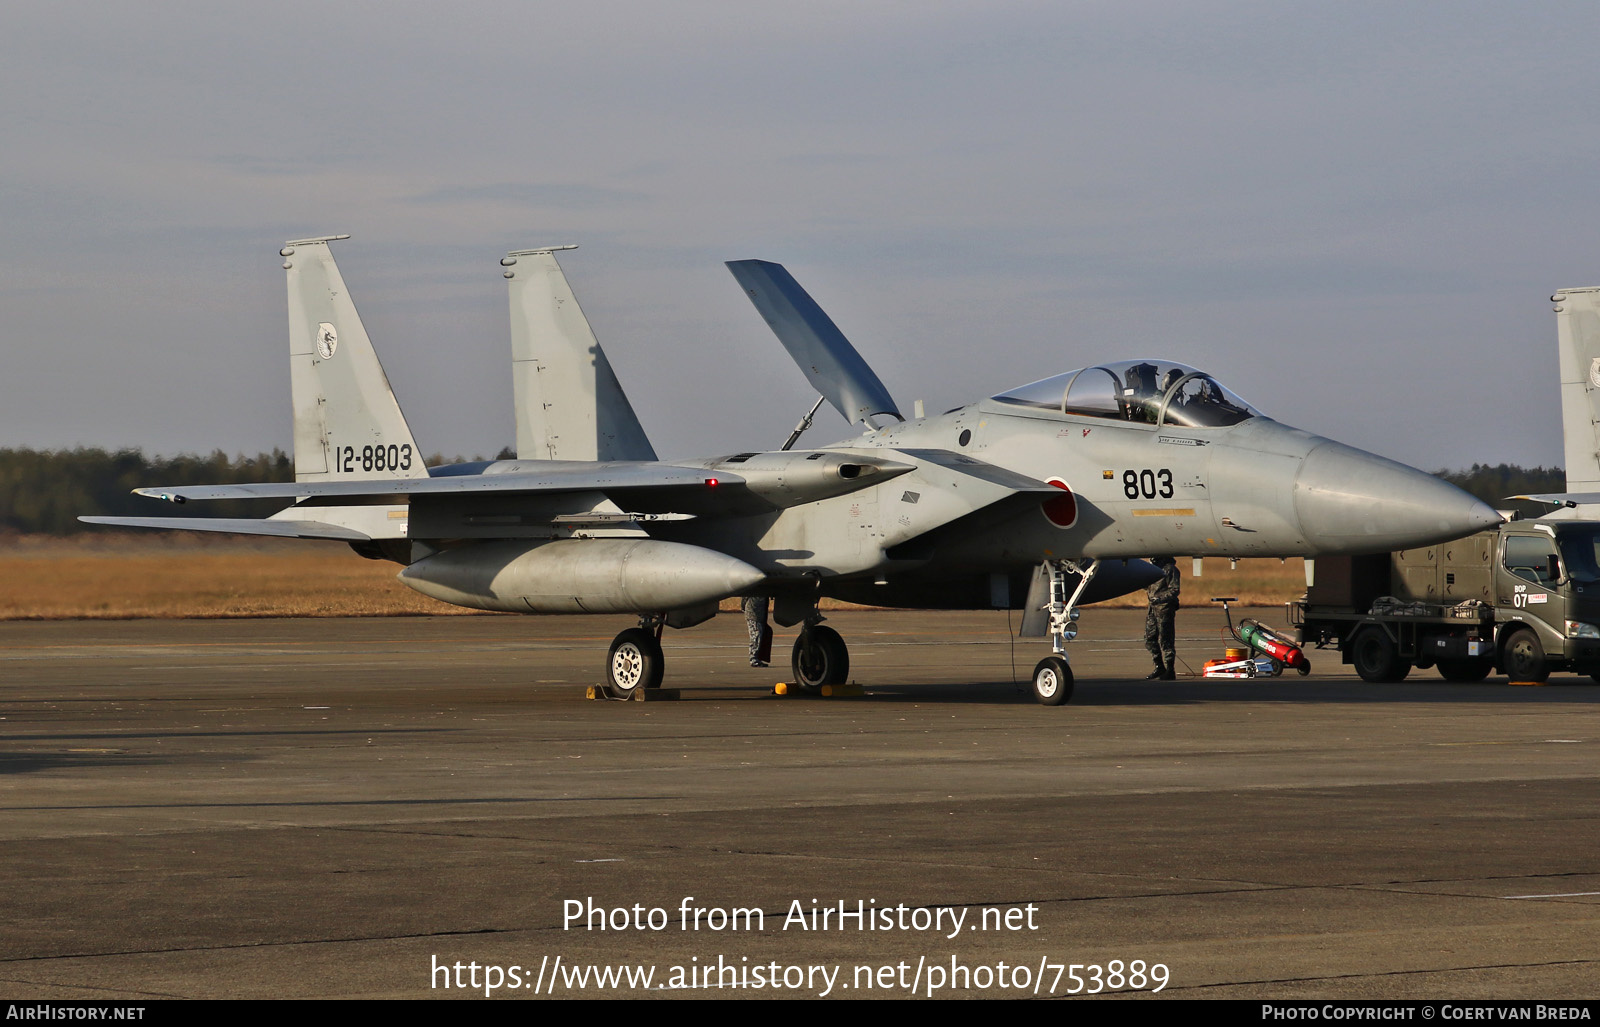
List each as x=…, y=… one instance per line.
x=1350, y=501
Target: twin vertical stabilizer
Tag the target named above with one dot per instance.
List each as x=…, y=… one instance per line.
x=1578, y=329
x=568, y=401
x=347, y=422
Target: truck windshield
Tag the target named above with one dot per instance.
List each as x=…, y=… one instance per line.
x=1580, y=554
x=1532, y=558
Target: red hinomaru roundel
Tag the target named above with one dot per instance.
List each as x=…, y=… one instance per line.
x=1063, y=509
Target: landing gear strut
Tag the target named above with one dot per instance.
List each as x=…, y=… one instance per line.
x=635, y=659
x=1052, y=677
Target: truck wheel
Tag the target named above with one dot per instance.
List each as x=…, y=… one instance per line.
x=1524, y=657
x=1376, y=657
x=1466, y=670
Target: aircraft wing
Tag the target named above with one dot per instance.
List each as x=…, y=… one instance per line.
x=558, y=476
x=713, y=490
x=988, y=472
x=640, y=490
x=964, y=499
x=829, y=362
x=238, y=526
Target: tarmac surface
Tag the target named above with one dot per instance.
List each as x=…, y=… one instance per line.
x=339, y=808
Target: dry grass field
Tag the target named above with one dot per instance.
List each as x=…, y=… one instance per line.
x=120, y=576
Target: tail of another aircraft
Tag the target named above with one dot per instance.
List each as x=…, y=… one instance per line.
x=1578, y=332
x=347, y=422
x=569, y=403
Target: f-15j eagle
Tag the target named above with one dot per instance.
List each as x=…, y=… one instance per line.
x=1046, y=497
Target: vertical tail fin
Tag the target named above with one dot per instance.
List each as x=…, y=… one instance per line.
x=569, y=403
x=1578, y=333
x=347, y=422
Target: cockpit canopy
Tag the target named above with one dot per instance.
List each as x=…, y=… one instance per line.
x=1138, y=391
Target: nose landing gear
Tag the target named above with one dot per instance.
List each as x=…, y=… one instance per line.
x=1052, y=677
x=1052, y=681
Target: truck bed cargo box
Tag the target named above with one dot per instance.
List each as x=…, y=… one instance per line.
x=1352, y=582
x=1449, y=573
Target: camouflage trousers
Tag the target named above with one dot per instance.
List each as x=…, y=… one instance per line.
x=1159, y=625
x=755, y=620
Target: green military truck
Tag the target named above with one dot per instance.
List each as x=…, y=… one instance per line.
x=1523, y=598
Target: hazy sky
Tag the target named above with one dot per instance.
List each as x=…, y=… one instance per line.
x=1351, y=213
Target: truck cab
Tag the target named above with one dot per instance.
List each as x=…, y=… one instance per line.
x=1547, y=598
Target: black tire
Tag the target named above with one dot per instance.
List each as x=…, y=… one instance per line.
x=820, y=658
x=1465, y=670
x=1376, y=658
x=1052, y=681
x=634, y=662
x=1523, y=657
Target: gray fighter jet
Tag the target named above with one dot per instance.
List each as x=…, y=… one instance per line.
x=1045, y=497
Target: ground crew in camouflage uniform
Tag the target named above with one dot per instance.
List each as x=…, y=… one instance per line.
x=755, y=621
x=1161, y=621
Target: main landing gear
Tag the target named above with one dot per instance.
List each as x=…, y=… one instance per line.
x=1052, y=677
x=820, y=656
x=635, y=660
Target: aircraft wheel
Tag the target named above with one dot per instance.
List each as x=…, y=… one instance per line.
x=1052, y=681
x=1524, y=657
x=1465, y=670
x=635, y=662
x=1376, y=658
x=820, y=658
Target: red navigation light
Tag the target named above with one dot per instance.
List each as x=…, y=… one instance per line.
x=711, y=483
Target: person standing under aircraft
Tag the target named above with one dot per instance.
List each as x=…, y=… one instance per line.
x=1160, y=622
x=755, y=620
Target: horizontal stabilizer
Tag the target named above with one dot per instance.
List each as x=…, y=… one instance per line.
x=829, y=362
x=237, y=526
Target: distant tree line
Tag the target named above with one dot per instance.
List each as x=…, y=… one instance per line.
x=1494, y=484
x=44, y=491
